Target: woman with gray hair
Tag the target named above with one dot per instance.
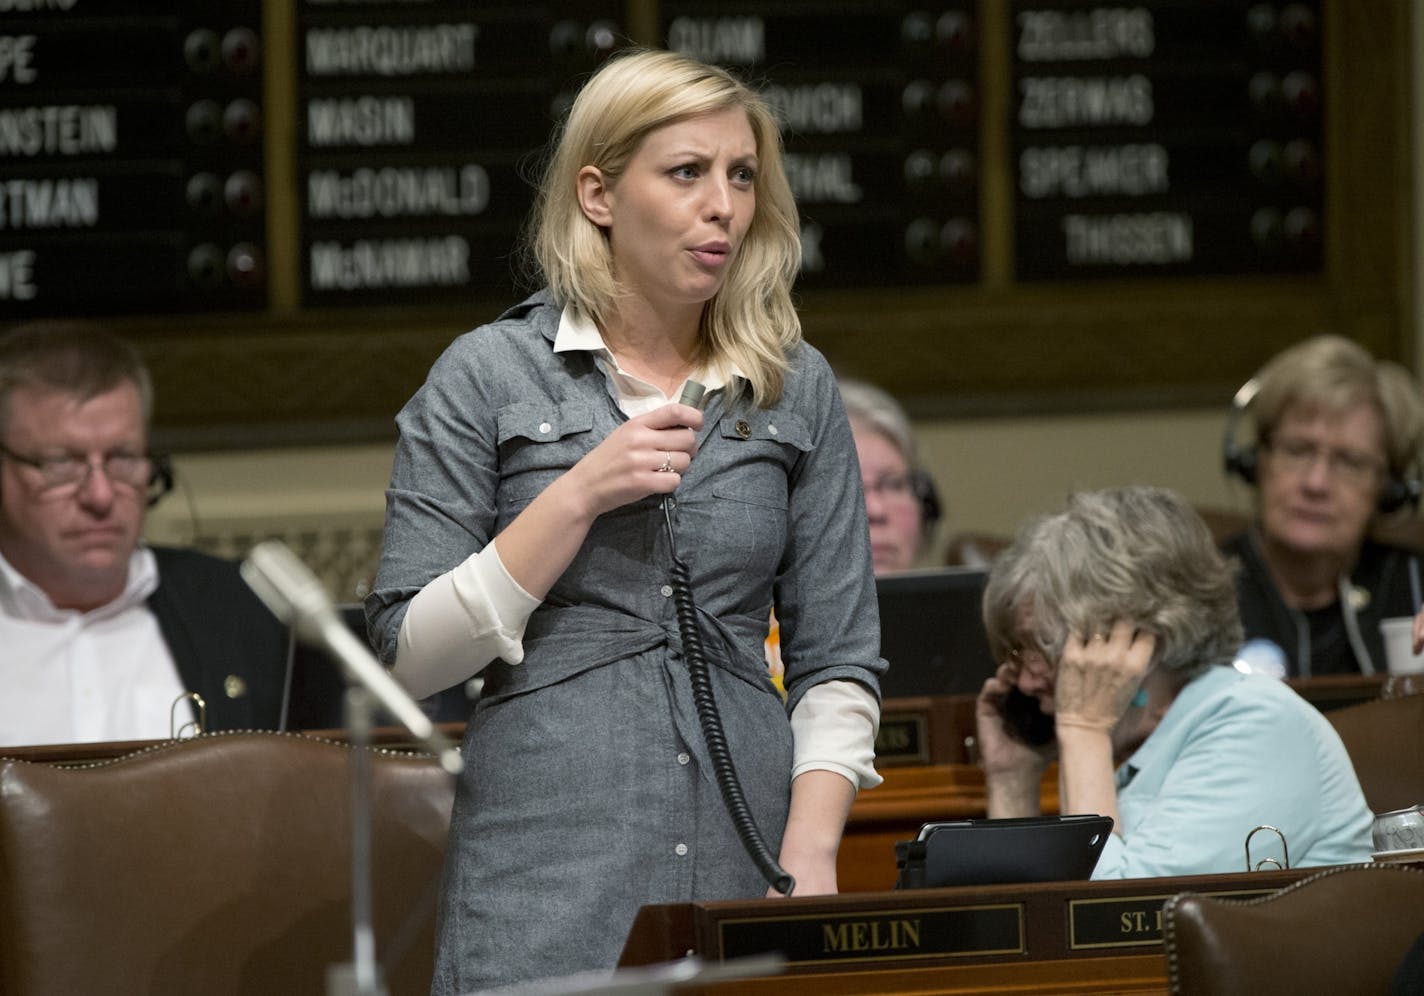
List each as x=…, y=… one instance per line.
x=1337, y=437
x=900, y=498
x=1116, y=623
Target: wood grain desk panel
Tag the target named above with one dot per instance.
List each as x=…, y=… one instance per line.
x=1063, y=937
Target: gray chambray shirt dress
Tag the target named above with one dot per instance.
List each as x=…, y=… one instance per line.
x=587, y=790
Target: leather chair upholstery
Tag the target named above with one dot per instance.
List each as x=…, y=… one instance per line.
x=1343, y=930
x=217, y=865
x=1385, y=740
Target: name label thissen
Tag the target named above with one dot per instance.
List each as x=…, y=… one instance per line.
x=1155, y=238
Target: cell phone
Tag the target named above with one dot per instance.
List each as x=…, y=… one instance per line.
x=1025, y=720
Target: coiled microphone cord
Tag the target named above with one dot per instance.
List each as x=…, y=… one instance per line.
x=711, y=720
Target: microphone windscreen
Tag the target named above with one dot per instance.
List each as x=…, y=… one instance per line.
x=692, y=393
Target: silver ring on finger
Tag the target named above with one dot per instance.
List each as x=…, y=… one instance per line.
x=666, y=468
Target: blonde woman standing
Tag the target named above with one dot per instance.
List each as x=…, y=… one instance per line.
x=526, y=536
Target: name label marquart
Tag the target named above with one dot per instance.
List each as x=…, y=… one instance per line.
x=904, y=934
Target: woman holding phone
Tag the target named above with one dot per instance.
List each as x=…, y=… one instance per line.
x=1116, y=621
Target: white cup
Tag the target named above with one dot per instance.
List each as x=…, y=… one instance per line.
x=1399, y=646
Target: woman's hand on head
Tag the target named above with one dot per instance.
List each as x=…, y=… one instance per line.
x=626, y=466
x=1099, y=674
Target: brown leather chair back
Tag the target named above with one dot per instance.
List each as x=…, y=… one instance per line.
x=218, y=865
x=1344, y=930
x=1385, y=740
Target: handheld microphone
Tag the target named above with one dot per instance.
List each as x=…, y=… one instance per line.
x=295, y=596
x=692, y=393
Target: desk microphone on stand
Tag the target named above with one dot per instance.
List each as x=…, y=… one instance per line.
x=296, y=596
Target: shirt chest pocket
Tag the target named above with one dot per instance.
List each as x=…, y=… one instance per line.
x=537, y=443
x=758, y=452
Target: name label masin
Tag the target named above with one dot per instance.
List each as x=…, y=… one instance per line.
x=391, y=50
x=1098, y=33
x=1075, y=171
x=364, y=121
x=58, y=130
x=1151, y=239
x=398, y=192
x=1085, y=101
x=374, y=264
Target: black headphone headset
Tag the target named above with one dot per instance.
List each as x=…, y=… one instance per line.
x=1242, y=461
x=930, y=508
x=160, y=482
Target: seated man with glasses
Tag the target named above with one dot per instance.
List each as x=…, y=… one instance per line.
x=1337, y=442
x=106, y=638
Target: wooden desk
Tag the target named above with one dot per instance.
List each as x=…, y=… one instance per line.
x=941, y=730
x=1058, y=937
x=1334, y=691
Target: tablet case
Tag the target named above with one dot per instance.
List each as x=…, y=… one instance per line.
x=995, y=852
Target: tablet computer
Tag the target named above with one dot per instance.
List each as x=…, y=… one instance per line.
x=997, y=852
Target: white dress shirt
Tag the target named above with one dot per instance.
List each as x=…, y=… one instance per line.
x=82, y=677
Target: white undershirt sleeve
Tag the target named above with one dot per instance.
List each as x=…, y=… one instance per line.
x=461, y=621
x=833, y=728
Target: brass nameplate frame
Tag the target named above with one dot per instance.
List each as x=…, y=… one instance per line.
x=901, y=935
x=1127, y=921
x=904, y=738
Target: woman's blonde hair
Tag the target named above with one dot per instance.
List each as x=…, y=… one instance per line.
x=751, y=321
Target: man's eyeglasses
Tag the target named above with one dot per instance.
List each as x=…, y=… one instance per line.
x=1297, y=456
x=71, y=470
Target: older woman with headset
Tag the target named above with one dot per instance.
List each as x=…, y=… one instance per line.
x=900, y=498
x=1337, y=441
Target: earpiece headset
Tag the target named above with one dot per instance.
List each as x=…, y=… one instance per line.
x=161, y=480
x=930, y=508
x=1242, y=460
